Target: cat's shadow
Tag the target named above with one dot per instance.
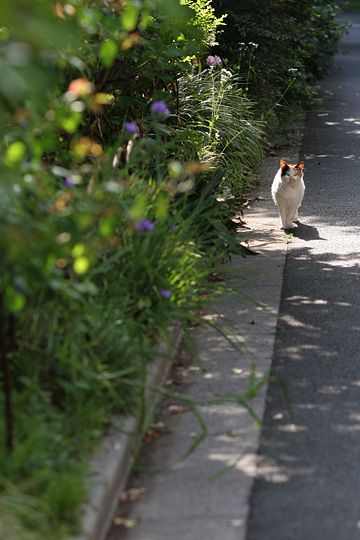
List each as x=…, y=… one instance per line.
x=306, y=232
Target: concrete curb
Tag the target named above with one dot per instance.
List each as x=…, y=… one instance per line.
x=111, y=464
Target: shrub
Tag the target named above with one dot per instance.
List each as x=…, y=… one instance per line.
x=97, y=261
x=266, y=39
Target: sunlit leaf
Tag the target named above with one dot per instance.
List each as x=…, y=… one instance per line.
x=130, y=40
x=161, y=206
x=129, y=18
x=107, y=53
x=78, y=250
x=15, y=153
x=81, y=265
x=71, y=123
x=103, y=99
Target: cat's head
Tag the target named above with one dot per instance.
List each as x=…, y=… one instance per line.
x=291, y=172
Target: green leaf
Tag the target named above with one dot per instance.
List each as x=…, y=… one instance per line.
x=173, y=52
x=78, y=250
x=15, y=153
x=138, y=209
x=81, y=265
x=161, y=206
x=108, y=52
x=107, y=226
x=71, y=123
x=14, y=300
x=129, y=18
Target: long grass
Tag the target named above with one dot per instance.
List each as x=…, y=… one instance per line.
x=228, y=133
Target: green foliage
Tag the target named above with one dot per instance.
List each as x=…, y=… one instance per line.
x=351, y=5
x=214, y=104
x=205, y=18
x=288, y=36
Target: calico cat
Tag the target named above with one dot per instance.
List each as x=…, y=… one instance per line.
x=288, y=192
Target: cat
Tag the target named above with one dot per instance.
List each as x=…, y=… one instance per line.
x=288, y=192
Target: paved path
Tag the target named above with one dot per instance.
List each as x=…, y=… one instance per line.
x=309, y=474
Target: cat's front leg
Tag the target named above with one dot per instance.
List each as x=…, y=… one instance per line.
x=290, y=218
x=283, y=216
x=296, y=216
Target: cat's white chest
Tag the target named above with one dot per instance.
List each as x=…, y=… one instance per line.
x=287, y=191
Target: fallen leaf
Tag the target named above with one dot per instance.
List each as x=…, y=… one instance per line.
x=151, y=435
x=237, y=523
x=176, y=409
x=216, y=277
x=182, y=381
x=132, y=494
x=125, y=522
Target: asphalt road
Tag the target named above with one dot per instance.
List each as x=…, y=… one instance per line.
x=309, y=484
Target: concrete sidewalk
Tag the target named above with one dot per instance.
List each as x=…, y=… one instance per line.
x=206, y=496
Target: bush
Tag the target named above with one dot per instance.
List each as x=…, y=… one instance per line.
x=97, y=261
x=268, y=40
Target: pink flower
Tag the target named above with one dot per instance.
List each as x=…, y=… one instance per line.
x=213, y=61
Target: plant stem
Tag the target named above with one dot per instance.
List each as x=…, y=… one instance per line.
x=6, y=375
x=280, y=98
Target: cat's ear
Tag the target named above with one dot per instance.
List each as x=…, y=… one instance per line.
x=300, y=165
x=283, y=165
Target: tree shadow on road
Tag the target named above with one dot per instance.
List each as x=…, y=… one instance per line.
x=304, y=458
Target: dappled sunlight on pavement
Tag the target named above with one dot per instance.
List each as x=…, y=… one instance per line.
x=311, y=436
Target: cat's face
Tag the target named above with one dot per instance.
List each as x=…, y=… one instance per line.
x=291, y=172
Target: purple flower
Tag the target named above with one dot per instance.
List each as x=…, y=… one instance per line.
x=173, y=228
x=68, y=182
x=131, y=127
x=165, y=293
x=213, y=60
x=144, y=225
x=160, y=107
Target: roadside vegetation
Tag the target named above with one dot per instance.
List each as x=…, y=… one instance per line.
x=128, y=131
x=351, y=5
